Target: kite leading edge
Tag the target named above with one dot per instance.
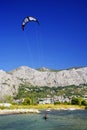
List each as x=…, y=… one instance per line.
x=28, y=19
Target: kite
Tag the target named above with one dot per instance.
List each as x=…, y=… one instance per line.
x=28, y=19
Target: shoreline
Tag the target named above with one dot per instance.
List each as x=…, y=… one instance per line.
x=18, y=111
x=15, y=109
x=31, y=110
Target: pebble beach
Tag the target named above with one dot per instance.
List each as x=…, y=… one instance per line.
x=18, y=111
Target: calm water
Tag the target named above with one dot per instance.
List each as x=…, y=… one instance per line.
x=57, y=120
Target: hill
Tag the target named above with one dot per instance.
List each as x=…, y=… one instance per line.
x=10, y=81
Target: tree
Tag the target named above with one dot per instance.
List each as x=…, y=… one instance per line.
x=27, y=101
x=76, y=101
x=84, y=102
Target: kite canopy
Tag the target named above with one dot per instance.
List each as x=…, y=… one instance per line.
x=28, y=19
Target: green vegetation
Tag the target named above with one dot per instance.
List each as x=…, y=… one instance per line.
x=45, y=69
x=42, y=92
x=44, y=107
x=6, y=99
x=27, y=101
x=86, y=107
x=31, y=95
x=78, y=101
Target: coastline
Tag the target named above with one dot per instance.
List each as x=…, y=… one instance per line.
x=36, y=109
x=18, y=111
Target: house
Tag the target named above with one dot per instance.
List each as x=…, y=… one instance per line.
x=45, y=101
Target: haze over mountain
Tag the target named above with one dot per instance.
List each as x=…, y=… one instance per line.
x=10, y=81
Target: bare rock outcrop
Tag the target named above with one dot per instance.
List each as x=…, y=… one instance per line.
x=9, y=82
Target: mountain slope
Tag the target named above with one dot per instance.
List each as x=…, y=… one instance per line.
x=9, y=82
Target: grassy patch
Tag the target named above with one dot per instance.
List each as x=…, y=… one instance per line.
x=46, y=106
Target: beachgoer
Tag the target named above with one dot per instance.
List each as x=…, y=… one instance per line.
x=45, y=117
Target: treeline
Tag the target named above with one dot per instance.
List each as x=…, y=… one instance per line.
x=42, y=92
x=31, y=94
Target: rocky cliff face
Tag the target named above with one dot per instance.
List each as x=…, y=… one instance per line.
x=9, y=82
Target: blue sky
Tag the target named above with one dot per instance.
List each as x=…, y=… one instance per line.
x=60, y=42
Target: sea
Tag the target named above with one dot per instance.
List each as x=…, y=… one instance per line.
x=56, y=120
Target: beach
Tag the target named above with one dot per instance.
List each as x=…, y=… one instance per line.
x=32, y=110
x=23, y=109
x=18, y=111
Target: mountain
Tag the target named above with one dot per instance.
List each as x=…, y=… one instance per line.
x=10, y=81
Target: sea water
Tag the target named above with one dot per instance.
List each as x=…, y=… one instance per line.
x=57, y=120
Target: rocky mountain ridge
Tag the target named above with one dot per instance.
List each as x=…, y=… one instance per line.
x=9, y=82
